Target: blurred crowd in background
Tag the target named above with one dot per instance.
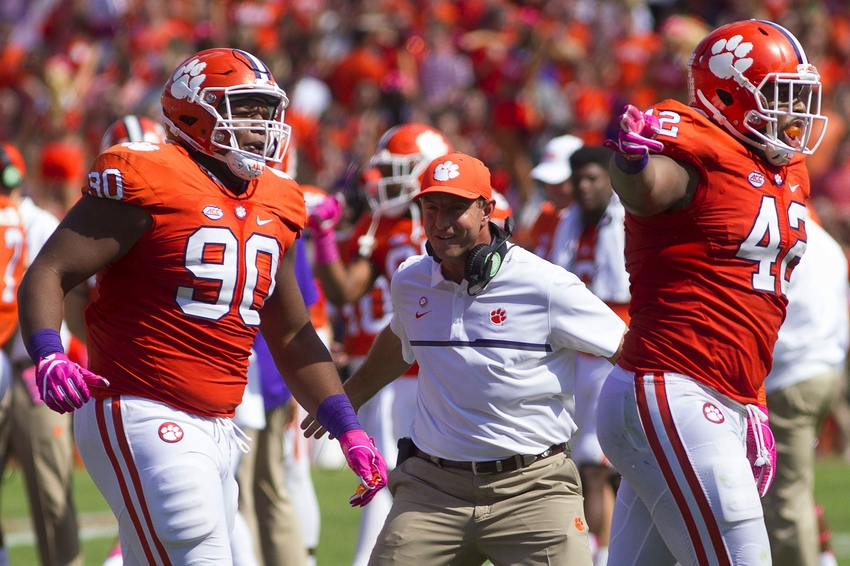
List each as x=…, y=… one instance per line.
x=498, y=77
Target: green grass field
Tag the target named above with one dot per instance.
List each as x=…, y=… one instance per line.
x=339, y=521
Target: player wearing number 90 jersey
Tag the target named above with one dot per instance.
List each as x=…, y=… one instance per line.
x=197, y=277
x=697, y=274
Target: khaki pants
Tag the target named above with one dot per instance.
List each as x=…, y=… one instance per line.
x=41, y=441
x=263, y=498
x=796, y=413
x=448, y=516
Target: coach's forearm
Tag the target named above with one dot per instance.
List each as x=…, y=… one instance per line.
x=382, y=366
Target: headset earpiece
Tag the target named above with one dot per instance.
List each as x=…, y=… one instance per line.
x=10, y=175
x=484, y=260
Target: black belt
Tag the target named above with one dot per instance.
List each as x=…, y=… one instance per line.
x=509, y=464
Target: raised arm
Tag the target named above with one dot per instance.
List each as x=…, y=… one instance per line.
x=646, y=182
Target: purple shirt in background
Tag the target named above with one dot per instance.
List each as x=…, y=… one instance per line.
x=275, y=391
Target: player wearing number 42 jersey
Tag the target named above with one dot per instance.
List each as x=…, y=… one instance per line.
x=193, y=242
x=716, y=220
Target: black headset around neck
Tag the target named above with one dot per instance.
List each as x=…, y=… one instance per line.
x=10, y=174
x=484, y=260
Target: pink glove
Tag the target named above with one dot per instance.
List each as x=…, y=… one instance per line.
x=364, y=459
x=761, y=447
x=322, y=219
x=637, y=134
x=62, y=384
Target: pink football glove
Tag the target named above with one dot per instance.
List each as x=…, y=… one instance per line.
x=325, y=215
x=62, y=384
x=761, y=447
x=365, y=460
x=322, y=219
x=637, y=134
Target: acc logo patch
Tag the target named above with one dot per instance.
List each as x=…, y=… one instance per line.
x=712, y=413
x=170, y=432
x=756, y=179
x=213, y=212
x=498, y=316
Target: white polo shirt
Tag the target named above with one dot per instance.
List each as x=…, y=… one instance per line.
x=496, y=370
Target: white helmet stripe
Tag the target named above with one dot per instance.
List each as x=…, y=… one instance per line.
x=134, y=128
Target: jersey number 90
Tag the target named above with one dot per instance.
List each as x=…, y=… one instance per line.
x=225, y=270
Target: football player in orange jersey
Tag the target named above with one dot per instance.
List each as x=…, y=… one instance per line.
x=715, y=194
x=195, y=239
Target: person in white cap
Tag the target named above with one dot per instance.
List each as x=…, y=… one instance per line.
x=495, y=329
x=553, y=173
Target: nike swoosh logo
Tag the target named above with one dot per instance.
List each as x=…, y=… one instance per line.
x=793, y=187
x=263, y=222
x=421, y=314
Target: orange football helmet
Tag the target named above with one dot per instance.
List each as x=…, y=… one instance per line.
x=132, y=128
x=753, y=79
x=402, y=155
x=197, y=99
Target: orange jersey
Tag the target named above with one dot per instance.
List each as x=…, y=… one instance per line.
x=175, y=317
x=708, y=281
x=395, y=242
x=12, y=257
x=543, y=231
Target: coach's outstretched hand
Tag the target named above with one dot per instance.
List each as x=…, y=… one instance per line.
x=364, y=459
x=64, y=385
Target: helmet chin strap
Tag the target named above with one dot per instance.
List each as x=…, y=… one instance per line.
x=776, y=155
x=244, y=167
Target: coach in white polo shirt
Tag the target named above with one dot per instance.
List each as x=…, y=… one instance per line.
x=494, y=329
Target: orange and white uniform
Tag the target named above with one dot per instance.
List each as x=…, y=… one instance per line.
x=12, y=259
x=197, y=278
x=708, y=288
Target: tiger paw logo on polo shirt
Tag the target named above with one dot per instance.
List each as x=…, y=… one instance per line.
x=498, y=316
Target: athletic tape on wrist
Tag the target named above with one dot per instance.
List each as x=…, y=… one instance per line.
x=631, y=166
x=44, y=342
x=337, y=415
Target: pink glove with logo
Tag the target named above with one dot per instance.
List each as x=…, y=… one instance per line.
x=62, y=384
x=322, y=219
x=761, y=447
x=636, y=137
x=364, y=459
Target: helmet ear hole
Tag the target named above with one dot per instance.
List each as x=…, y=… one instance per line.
x=725, y=97
x=188, y=120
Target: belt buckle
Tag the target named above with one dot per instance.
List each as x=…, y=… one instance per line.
x=475, y=471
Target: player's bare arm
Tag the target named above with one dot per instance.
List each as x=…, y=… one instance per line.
x=664, y=184
x=94, y=233
x=345, y=284
x=299, y=354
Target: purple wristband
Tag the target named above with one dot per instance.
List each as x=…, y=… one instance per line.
x=44, y=342
x=337, y=415
x=631, y=166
